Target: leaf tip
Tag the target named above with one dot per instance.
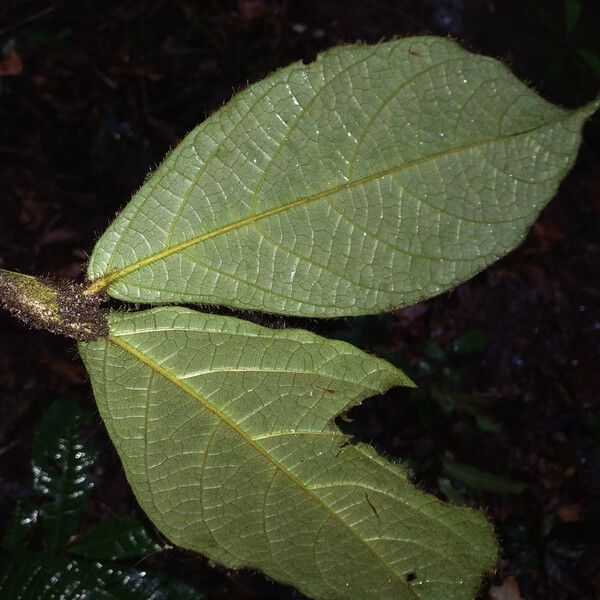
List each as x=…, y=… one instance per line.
x=587, y=110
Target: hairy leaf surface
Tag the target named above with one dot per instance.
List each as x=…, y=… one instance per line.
x=368, y=180
x=226, y=433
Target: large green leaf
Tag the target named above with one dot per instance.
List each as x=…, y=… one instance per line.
x=62, y=462
x=226, y=432
x=371, y=179
x=40, y=576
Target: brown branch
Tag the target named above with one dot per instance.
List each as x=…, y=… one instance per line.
x=57, y=306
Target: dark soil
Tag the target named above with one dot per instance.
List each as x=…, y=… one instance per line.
x=94, y=94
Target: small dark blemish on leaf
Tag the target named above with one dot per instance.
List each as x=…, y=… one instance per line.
x=372, y=507
x=410, y=577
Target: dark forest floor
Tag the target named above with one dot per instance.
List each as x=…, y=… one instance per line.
x=94, y=94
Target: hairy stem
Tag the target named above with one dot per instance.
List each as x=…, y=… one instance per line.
x=57, y=306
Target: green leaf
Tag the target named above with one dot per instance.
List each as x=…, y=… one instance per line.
x=226, y=432
x=62, y=461
x=22, y=521
x=121, y=537
x=572, y=14
x=448, y=490
x=368, y=180
x=482, y=480
x=450, y=400
x=472, y=340
x=592, y=59
x=486, y=424
x=434, y=351
x=40, y=576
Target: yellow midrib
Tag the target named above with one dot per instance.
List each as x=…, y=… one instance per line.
x=98, y=285
x=157, y=368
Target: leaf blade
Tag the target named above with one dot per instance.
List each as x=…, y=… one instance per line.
x=18, y=529
x=62, y=461
x=483, y=480
x=46, y=577
x=115, y=539
x=230, y=449
x=315, y=193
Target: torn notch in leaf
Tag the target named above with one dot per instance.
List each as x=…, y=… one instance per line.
x=225, y=430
